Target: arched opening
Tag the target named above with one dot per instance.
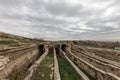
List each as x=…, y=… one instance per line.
x=63, y=47
x=51, y=50
x=41, y=49
x=57, y=48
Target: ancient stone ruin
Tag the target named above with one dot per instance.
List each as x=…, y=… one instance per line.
x=27, y=59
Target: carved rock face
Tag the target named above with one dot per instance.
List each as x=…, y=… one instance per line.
x=3, y=61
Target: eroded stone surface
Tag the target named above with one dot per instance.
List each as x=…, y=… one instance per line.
x=3, y=61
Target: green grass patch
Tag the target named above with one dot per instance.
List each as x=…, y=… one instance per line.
x=67, y=72
x=46, y=69
x=18, y=75
x=7, y=41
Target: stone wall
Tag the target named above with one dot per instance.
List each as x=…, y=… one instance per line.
x=19, y=64
x=97, y=73
x=37, y=63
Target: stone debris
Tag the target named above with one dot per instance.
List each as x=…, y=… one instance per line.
x=43, y=75
x=50, y=65
x=3, y=62
x=51, y=76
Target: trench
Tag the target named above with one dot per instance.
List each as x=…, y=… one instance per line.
x=67, y=72
x=85, y=72
x=22, y=72
x=45, y=70
x=82, y=70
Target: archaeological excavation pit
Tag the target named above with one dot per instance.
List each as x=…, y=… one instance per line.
x=45, y=70
x=19, y=67
x=67, y=72
x=52, y=62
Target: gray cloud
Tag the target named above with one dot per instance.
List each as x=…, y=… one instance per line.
x=61, y=19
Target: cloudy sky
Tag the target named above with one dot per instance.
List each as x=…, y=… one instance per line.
x=61, y=19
